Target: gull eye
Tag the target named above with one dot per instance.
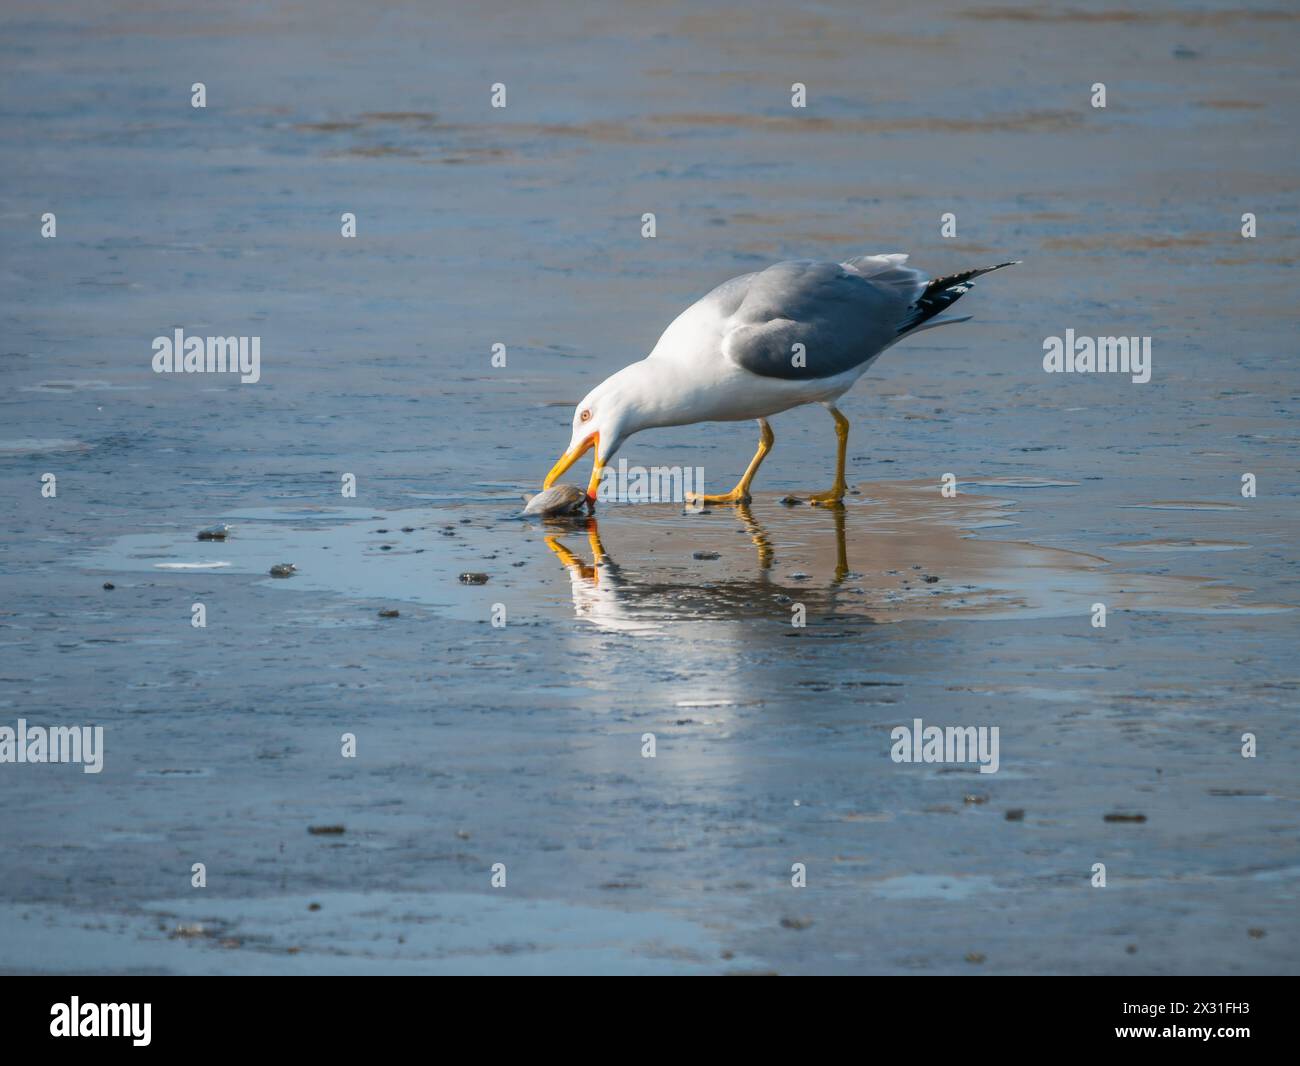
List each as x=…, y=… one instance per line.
x=585, y=416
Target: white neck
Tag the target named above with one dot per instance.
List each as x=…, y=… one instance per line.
x=659, y=392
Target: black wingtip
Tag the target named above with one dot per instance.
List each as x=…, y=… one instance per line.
x=943, y=292
x=939, y=284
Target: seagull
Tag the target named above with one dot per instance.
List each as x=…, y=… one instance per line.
x=798, y=332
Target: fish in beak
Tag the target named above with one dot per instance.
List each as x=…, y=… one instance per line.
x=572, y=456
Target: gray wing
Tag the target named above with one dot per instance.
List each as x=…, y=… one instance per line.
x=844, y=314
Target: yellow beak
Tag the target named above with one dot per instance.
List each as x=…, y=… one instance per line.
x=572, y=456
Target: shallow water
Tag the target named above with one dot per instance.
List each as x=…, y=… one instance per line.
x=522, y=744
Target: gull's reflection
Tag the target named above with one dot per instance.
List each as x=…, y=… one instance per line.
x=597, y=587
x=917, y=556
x=661, y=586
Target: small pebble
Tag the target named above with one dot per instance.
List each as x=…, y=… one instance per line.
x=975, y=956
x=795, y=923
x=706, y=555
x=789, y=501
x=1122, y=816
x=313, y=906
x=283, y=570
x=390, y=613
x=470, y=578
x=1016, y=814
x=109, y=585
x=326, y=830
x=220, y=532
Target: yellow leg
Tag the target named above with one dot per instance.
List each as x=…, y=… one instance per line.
x=836, y=493
x=740, y=494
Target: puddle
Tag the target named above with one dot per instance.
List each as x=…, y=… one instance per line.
x=1181, y=545
x=37, y=446
x=932, y=886
x=899, y=551
x=79, y=385
x=1020, y=483
x=1182, y=505
x=355, y=932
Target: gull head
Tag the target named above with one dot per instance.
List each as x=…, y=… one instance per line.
x=602, y=421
